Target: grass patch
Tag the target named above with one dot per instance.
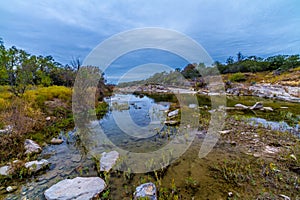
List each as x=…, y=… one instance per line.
x=237, y=77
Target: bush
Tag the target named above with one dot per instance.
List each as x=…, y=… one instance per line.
x=101, y=109
x=237, y=77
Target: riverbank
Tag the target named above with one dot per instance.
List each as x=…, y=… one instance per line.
x=284, y=87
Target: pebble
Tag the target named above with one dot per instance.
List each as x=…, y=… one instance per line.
x=11, y=188
x=225, y=131
x=256, y=155
x=293, y=157
x=56, y=141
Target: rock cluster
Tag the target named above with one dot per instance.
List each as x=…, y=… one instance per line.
x=31, y=147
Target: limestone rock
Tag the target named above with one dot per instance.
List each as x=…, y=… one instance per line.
x=108, y=160
x=79, y=188
x=56, y=141
x=267, y=109
x=5, y=170
x=173, y=113
x=7, y=130
x=11, y=188
x=34, y=166
x=241, y=106
x=257, y=106
x=224, y=132
x=145, y=190
x=280, y=92
x=31, y=147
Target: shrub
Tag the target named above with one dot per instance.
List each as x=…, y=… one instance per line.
x=237, y=77
x=101, y=109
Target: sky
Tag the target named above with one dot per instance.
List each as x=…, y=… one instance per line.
x=72, y=29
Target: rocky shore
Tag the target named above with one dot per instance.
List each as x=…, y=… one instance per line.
x=272, y=91
x=278, y=92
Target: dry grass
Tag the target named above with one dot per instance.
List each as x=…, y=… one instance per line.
x=27, y=115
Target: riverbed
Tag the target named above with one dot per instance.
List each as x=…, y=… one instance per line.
x=135, y=123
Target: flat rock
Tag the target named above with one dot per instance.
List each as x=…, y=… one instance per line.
x=145, y=190
x=56, y=141
x=4, y=171
x=79, y=188
x=257, y=106
x=224, y=132
x=267, y=109
x=241, y=106
x=31, y=147
x=108, y=160
x=173, y=113
x=34, y=166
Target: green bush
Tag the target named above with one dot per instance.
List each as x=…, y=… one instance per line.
x=101, y=109
x=237, y=77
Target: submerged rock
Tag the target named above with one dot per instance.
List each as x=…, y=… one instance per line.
x=31, y=147
x=80, y=188
x=108, y=160
x=145, y=190
x=34, y=166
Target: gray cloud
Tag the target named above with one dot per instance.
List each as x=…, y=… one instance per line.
x=66, y=29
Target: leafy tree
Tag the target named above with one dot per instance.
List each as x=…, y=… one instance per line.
x=230, y=60
x=240, y=57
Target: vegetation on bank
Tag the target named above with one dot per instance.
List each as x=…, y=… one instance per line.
x=36, y=99
x=234, y=70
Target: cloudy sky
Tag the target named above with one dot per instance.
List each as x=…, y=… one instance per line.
x=66, y=29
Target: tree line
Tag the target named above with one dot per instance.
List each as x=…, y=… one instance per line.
x=195, y=72
x=258, y=64
x=20, y=69
x=278, y=63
